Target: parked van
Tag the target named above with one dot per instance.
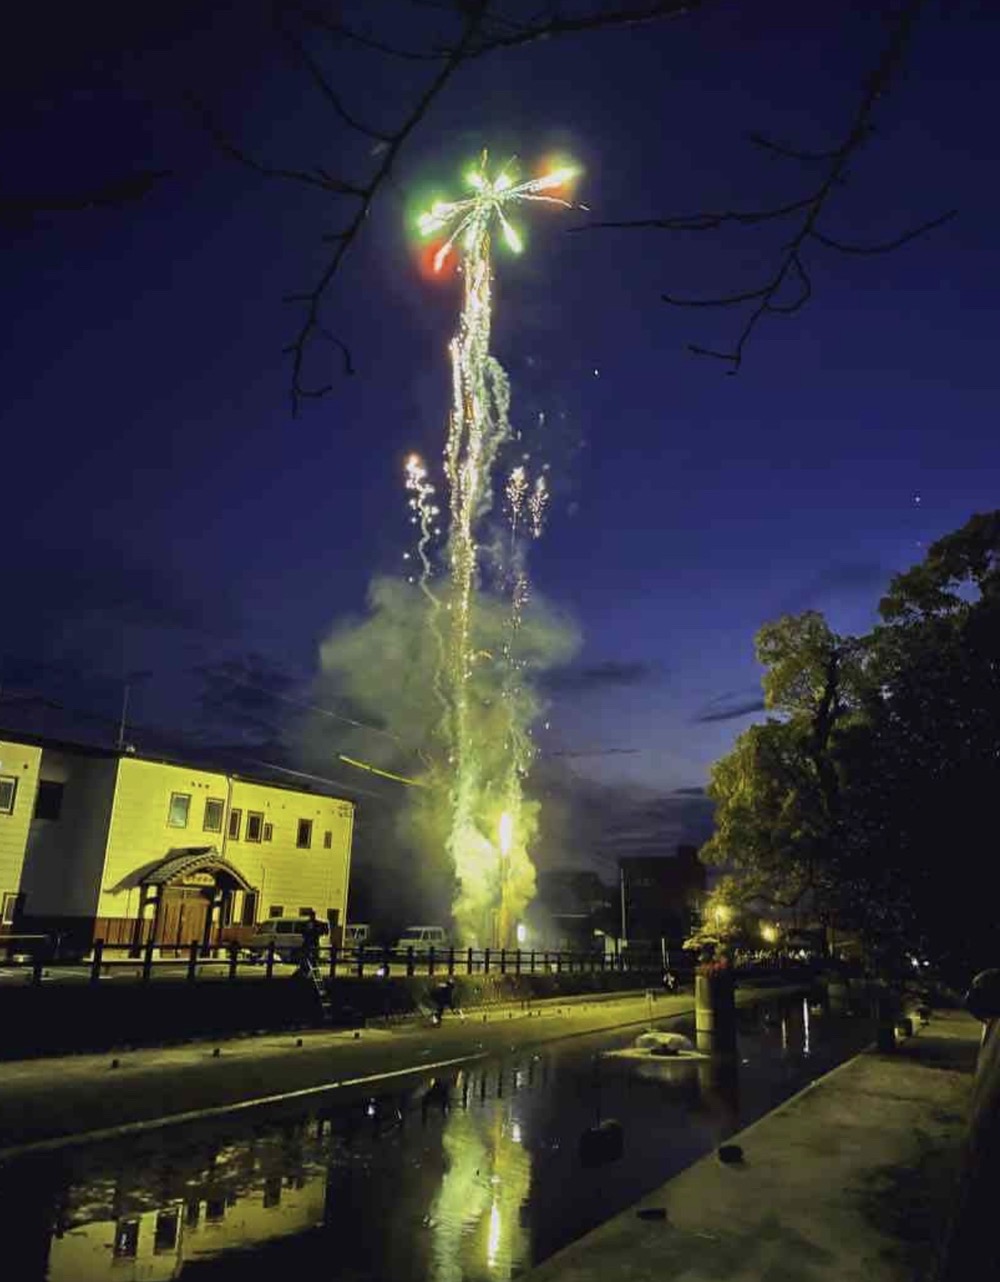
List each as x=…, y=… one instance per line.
x=422, y=939
x=284, y=932
x=357, y=935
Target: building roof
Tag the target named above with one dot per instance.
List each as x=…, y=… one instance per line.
x=211, y=760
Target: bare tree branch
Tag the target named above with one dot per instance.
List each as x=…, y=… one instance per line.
x=791, y=267
x=885, y=246
x=21, y=210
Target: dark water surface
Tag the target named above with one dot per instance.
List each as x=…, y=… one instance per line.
x=461, y=1177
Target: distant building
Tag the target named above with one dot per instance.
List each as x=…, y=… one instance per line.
x=662, y=895
x=570, y=905
x=100, y=844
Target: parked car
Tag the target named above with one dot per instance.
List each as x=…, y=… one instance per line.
x=422, y=939
x=284, y=932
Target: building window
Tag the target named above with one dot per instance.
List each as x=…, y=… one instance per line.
x=268, y=831
x=304, y=838
x=8, y=909
x=226, y=911
x=48, y=802
x=214, y=810
x=249, y=914
x=180, y=804
x=235, y=819
x=126, y=1239
x=328, y=840
x=165, y=1235
x=304, y=912
x=8, y=791
x=276, y=910
x=255, y=825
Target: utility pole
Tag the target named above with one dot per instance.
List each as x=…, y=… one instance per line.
x=121, y=724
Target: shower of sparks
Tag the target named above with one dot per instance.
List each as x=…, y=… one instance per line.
x=494, y=884
x=537, y=504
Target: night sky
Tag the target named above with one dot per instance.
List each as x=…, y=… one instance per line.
x=164, y=511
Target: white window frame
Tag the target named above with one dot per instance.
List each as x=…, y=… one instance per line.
x=214, y=801
x=13, y=781
x=170, y=810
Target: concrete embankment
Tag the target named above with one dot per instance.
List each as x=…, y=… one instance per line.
x=60, y=1017
x=49, y=1100
x=851, y=1180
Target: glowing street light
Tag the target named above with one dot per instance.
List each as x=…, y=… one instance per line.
x=769, y=933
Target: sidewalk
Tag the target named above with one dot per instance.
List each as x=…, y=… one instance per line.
x=72, y=1097
x=848, y=1181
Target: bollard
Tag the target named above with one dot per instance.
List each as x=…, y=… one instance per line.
x=409, y=961
x=269, y=962
x=234, y=956
x=192, y=967
x=147, y=962
x=430, y=960
x=37, y=966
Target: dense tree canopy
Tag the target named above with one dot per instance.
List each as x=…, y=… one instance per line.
x=866, y=798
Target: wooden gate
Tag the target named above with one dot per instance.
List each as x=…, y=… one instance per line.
x=182, y=916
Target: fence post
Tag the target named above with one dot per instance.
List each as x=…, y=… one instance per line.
x=269, y=963
x=469, y=962
x=192, y=974
x=234, y=953
x=558, y=963
x=503, y=961
x=532, y=961
x=430, y=960
x=147, y=962
x=486, y=961
x=409, y=960
x=451, y=960
x=333, y=961
x=517, y=962
x=95, y=965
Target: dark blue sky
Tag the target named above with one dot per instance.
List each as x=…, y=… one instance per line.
x=162, y=509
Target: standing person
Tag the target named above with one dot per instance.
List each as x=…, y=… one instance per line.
x=443, y=998
x=312, y=931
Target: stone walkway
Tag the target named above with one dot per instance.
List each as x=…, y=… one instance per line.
x=850, y=1180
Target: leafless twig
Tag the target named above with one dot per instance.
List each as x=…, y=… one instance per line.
x=789, y=287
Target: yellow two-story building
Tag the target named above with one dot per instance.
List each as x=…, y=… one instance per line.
x=100, y=844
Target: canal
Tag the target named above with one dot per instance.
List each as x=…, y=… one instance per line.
x=469, y=1176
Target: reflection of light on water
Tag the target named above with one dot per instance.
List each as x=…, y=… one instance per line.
x=805, y=1021
x=493, y=1243
x=784, y=1032
x=515, y=1132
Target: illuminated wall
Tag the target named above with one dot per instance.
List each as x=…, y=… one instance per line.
x=18, y=762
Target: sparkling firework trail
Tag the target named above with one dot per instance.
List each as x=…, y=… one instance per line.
x=487, y=865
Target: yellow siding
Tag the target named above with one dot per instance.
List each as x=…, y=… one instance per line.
x=139, y=832
x=283, y=874
x=20, y=761
x=65, y=856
